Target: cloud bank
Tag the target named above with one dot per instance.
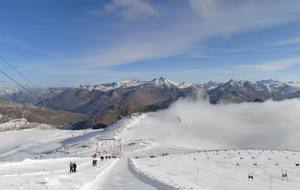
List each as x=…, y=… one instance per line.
x=273, y=125
x=177, y=33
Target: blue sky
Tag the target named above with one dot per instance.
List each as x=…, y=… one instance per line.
x=93, y=41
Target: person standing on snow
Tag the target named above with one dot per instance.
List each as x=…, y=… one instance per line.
x=74, y=167
x=71, y=167
x=94, y=159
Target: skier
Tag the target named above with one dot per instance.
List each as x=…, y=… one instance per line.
x=94, y=159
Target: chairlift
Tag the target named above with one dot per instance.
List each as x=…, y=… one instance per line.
x=111, y=148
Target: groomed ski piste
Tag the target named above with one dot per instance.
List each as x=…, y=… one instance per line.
x=39, y=158
x=222, y=169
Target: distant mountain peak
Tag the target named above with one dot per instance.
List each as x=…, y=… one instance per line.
x=111, y=86
x=161, y=81
x=164, y=82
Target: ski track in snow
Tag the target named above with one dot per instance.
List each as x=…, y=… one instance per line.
x=99, y=180
x=121, y=178
x=38, y=159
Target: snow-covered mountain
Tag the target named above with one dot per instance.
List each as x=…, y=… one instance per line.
x=160, y=82
x=111, y=86
x=272, y=86
x=164, y=82
x=285, y=88
x=253, y=91
x=108, y=102
x=18, y=124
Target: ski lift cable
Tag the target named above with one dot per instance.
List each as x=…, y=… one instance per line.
x=34, y=67
x=25, y=58
x=20, y=85
x=97, y=146
x=110, y=146
x=16, y=70
x=115, y=152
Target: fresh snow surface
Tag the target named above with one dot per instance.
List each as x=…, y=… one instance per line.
x=39, y=158
x=217, y=169
x=49, y=174
x=39, y=143
x=22, y=123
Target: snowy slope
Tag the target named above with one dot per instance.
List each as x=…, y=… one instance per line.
x=47, y=143
x=50, y=174
x=39, y=158
x=17, y=124
x=217, y=170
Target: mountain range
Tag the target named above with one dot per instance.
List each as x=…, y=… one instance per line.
x=34, y=114
x=106, y=103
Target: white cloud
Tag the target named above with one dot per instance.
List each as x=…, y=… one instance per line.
x=288, y=42
x=132, y=9
x=234, y=16
x=181, y=31
x=247, y=125
x=276, y=65
x=176, y=33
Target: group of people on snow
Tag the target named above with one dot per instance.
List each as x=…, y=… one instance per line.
x=102, y=157
x=73, y=167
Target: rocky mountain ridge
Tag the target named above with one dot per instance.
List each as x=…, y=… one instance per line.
x=107, y=103
x=10, y=111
